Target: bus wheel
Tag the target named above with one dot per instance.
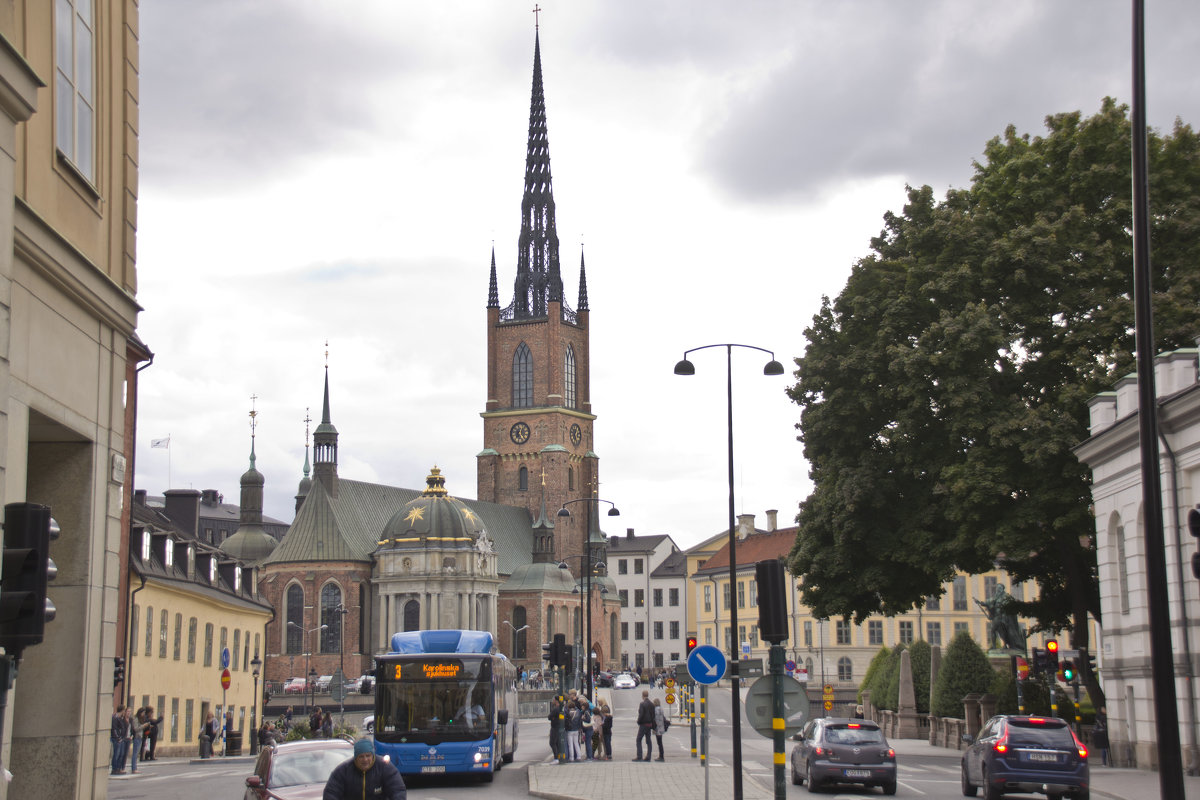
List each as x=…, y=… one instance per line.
x=487, y=777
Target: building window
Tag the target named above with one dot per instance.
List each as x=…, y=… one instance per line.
x=208, y=644
x=933, y=603
x=741, y=594
x=639, y=598
x=658, y=630
x=962, y=627
x=149, y=628
x=549, y=622
x=658, y=662
x=843, y=631
x=133, y=630
x=331, y=615
x=523, y=479
x=570, y=479
x=1018, y=592
x=674, y=631
x=673, y=597
x=658, y=598
x=162, y=634
x=845, y=669
x=875, y=632
x=178, y=651
x=808, y=633
x=708, y=635
x=622, y=566
x=192, y=627
x=237, y=649
x=189, y=709
x=990, y=582
x=624, y=631
x=754, y=636
x=74, y=102
x=522, y=377
x=1122, y=570
x=174, y=719
x=612, y=632
x=960, y=593
x=639, y=630
x=753, y=594
x=933, y=633
x=906, y=631
x=623, y=594
x=637, y=566
x=675, y=658
x=708, y=599
x=412, y=615
x=224, y=640
x=569, y=377
x=295, y=615
x=726, y=593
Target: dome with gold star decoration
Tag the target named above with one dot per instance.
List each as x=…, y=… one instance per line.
x=434, y=517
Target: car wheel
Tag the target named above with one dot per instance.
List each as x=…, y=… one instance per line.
x=796, y=779
x=888, y=788
x=813, y=784
x=1082, y=794
x=968, y=788
x=990, y=790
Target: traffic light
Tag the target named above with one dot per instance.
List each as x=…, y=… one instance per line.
x=691, y=645
x=1067, y=668
x=1087, y=665
x=1037, y=661
x=558, y=651
x=1052, y=656
x=1193, y=523
x=118, y=671
x=772, y=600
x=24, y=607
x=548, y=656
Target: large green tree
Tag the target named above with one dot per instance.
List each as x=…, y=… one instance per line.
x=943, y=389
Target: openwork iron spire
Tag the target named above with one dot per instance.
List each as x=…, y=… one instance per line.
x=583, y=301
x=539, y=281
x=493, y=291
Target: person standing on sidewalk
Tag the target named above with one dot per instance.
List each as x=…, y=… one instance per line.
x=607, y=730
x=137, y=729
x=660, y=727
x=119, y=736
x=598, y=732
x=152, y=731
x=556, y=726
x=574, y=723
x=645, y=723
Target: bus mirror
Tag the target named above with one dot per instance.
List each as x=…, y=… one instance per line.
x=502, y=716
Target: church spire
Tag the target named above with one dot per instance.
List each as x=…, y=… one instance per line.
x=539, y=280
x=493, y=291
x=325, y=443
x=306, y=481
x=583, y=301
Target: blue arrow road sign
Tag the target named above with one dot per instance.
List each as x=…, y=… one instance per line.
x=224, y=658
x=706, y=664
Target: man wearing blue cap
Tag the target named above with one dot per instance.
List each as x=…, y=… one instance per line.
x=365, y=776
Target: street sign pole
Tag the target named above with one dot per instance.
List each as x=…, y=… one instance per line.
x=777, y=718
x=704, y=734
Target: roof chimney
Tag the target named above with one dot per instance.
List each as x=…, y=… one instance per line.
x=182, y=506
x=629, y=533
x=745, y=525
x=772, y=519
x=139, y=497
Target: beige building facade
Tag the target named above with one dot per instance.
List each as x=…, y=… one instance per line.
x=68, y=357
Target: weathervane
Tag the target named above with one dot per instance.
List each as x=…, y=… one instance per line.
x=253, y=425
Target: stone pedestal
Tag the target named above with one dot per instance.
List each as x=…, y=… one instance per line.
x=909, y=727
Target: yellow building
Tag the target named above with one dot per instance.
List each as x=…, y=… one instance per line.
x=68, y=358
x=188, y=603
x=825, y=651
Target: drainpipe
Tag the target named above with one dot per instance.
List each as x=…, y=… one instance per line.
x=1188, y=677
x=131, y=645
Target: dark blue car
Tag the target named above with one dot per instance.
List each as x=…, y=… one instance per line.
x=1039, y=755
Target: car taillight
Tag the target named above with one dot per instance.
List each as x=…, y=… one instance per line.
x=891, y=753
x=1083, y=751
x=1001, y=745
x=820, y=751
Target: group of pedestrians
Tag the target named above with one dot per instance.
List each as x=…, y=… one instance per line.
x=320, y=723
x=134, y=735
x=588, y=728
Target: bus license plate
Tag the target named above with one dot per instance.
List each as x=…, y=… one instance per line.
x=858, y=773
x=433, y=769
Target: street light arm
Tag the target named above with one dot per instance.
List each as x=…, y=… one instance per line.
x=612, y=512
x=685, y=367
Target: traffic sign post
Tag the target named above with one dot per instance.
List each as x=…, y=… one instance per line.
x=225, y=680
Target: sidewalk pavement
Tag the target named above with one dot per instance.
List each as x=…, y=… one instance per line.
x=623, y=780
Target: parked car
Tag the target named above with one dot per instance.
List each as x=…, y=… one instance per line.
x=369, y=724
x=1025, y=754
x=295, y=686
x=323, y=683
x=361, y=684
x=296, y=770
x=604, y=679
x=625, y=681
x=836, y=750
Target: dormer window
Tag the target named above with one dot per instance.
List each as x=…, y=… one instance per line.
x=170, y=554
x=237, y=580
x=145, y=546
x=212, y=570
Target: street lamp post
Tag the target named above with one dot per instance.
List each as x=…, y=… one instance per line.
x=256, y=664
x=516, y=632
x=343, y=611
x=587, y=576
x=309, y=675
x=773, y=367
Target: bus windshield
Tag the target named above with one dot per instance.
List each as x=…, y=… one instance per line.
x=434, y=698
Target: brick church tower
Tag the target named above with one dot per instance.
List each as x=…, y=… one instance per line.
x=538, y=422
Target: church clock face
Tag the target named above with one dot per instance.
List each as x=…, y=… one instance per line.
x=519, y=433
x=576, y=435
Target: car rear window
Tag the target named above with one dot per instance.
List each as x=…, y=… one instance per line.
x=853, y=734
x=1054, y=733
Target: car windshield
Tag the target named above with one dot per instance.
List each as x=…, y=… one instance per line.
x=307, y=766
x=845, y=734
x=1040, y=732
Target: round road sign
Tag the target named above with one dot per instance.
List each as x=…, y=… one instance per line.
x=670, y=682
x=706, y=664
x=670, y=698
x=225, y=679
x=829, y=705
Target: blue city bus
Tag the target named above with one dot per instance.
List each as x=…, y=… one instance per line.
x=445, y=703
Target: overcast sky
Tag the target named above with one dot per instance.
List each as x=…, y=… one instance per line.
x=315, y=170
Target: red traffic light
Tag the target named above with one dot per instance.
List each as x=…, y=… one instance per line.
x=691, y=644
x=1052, y=646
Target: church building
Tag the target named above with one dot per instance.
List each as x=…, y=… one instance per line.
x=362, y=561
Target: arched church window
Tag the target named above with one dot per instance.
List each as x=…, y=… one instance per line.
x=570, y=479
x=612, y=633
x=522, y=377
x=549, y=622
x=518, y=623
x=295, y=614
x=412, y=615
x=576, y=624
x=523, y=479
x=331, y=637
x=569, y=377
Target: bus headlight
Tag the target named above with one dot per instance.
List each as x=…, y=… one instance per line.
x=478, y=757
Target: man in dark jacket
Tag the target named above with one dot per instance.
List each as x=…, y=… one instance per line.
x=556, y=727
x=645, y=722
x=365, y=776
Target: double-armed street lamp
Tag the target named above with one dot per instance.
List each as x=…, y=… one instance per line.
x=773, y=367
x=309, y=676
x=516, y=651
x=256, y=665
x=589, y=565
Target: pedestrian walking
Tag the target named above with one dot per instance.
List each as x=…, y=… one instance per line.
x=1100, y=735
x=645, y=723
x=660, y=727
